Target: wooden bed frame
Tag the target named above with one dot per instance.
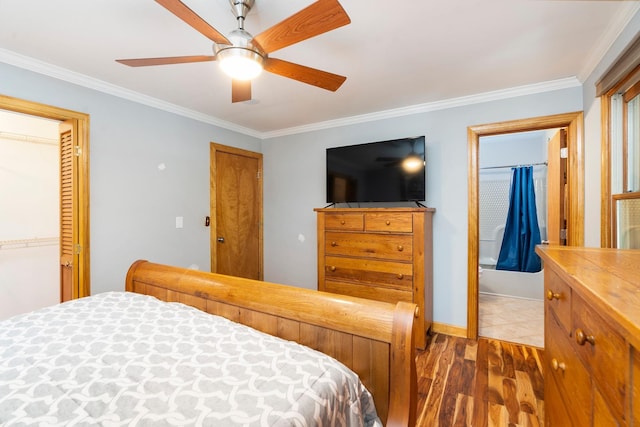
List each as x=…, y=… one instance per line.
x=374, y=339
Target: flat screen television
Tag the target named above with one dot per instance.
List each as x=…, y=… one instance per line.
x=383, y=171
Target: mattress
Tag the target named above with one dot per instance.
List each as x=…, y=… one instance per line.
x=123, y=359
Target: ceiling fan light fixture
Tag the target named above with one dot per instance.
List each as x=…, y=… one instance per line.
x=240, y=63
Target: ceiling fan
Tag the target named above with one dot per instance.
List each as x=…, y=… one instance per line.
x=243, y=56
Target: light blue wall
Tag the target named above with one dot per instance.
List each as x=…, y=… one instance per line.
x=294, y=169
x=133, y=203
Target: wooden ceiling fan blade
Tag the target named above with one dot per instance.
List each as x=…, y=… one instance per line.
x=240, y=90
x=143, y=62
x=183, y=12
x=315, y=19
x=312, y=76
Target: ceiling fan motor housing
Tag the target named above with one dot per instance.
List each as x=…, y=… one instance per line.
x=241, y=39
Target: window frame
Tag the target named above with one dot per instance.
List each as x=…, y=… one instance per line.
x=627, y=86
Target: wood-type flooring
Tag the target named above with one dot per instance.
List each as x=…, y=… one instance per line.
x=483, y=383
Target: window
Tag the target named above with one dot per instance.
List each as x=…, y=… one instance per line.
x=619, y=90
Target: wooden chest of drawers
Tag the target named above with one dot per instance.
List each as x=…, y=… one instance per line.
x=378, y=253
x=592, y=336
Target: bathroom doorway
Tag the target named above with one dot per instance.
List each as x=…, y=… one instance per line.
x=572, y=190
x=510, y=302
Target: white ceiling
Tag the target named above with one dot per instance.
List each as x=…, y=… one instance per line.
x=396, y=55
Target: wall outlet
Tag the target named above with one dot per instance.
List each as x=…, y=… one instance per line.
x=179, y=222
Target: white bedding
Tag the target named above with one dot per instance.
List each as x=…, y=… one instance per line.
x=123, y=359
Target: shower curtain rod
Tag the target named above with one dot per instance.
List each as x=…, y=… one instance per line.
x=514, y=166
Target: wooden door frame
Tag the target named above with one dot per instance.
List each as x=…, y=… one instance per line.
x=82, y=276
x=213, y=149
x=575, y=180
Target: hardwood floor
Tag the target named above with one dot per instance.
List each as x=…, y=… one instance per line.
x=483, y=383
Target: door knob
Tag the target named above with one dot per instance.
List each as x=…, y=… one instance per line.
x=221, y=239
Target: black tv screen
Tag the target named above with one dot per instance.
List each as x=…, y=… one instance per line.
x=384, y=171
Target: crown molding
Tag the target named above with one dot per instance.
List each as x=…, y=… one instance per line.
x=60, y=73
x=532, y=89
x=79, y=79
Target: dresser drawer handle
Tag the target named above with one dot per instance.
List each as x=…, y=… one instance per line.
x=558, y=365
x=342, y=222
x=400, y=276
x=334, y=244
x=400, y=248
x=332, y=268
x=388, y=222
x=582, y=338
x=552, y=295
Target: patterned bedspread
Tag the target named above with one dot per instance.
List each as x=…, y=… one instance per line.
x=123, y=359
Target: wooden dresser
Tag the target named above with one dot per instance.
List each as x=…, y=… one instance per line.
x=592, y=336
x=383, y=254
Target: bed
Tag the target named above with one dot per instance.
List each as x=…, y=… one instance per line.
x=155, y=355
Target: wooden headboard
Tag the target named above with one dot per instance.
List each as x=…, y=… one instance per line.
x=374, y=339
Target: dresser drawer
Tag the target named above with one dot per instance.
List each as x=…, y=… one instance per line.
x=558, y=298
x=604, y=351
x=381, y=246
x=368, y=291
x=386, y=273
x=344, y=221
x=393, y=222
x=564, y=368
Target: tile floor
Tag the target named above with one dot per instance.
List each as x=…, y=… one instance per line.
x=511, y=319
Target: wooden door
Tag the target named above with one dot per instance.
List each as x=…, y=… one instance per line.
x=236, y=210
x=556, y=189
x=68, y=211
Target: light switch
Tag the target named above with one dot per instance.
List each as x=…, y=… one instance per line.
x=179, y=222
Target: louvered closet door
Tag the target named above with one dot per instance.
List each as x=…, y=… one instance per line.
x=68, y=211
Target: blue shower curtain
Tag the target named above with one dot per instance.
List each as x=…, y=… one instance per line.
x=521, y=232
